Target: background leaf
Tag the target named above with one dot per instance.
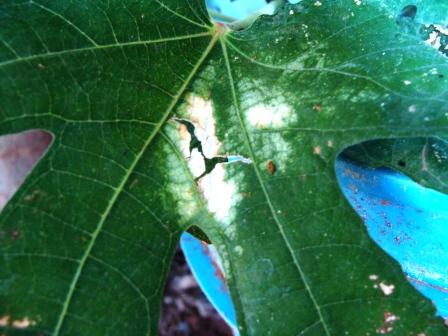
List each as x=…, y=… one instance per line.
x=87, y=240
x=423, y=159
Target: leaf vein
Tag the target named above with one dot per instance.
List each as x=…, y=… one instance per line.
x=49, y=10
x=102, y=46
x=266, y=194
x=122, y=185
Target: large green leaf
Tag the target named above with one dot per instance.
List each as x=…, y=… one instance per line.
x=423, y=159
x=87, y=240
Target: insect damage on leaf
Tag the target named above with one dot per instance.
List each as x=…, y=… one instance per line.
x=203, y=144
x=291, y=242
x=194, y=141
x=436, y=35
x=196, y=144
x=201, y=148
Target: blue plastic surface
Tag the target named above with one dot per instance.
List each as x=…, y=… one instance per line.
x=408, y=221
x=208, y=273
x=235, y=9
x=240, y=9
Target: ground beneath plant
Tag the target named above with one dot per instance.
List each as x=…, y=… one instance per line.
x=185, y=309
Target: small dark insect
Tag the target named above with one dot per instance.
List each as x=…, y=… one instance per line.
x=409, y=11
x=271, y=167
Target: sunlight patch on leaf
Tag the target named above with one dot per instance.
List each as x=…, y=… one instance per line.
x=24, y=323
x=180, y=186
x=220, y=194
x=263, y=111
x=269, y=115
x=200, y=112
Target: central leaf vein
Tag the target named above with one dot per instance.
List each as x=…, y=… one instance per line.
x=118, y=190
x=266, y=194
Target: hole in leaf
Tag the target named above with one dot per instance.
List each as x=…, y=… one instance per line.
x=186, y=310
x=396, y=186
x=436, y=35
x=19, y=153
x=239, y=15
x=198, y=138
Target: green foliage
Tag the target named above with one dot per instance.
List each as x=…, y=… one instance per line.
x=87, y=241
x=423, y=159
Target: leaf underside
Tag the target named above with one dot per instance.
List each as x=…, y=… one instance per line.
x=87, y=240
